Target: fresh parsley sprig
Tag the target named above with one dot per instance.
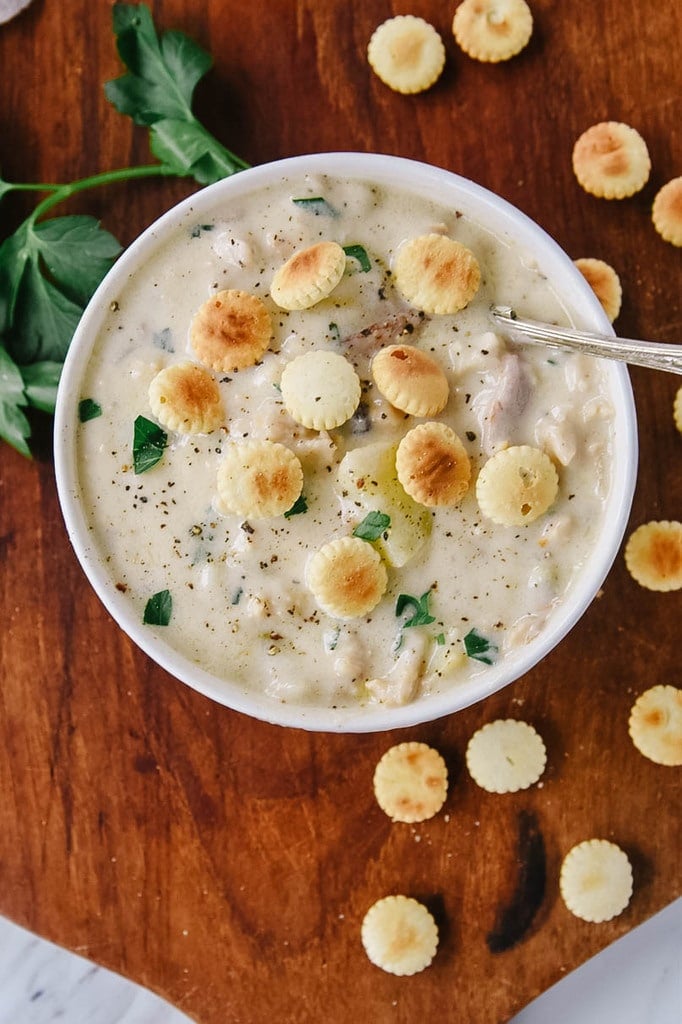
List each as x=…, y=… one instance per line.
x=158, y=609
x=157, y=92
x=480, y=647
x=51, y=266
x=373, y=526
x=419, y=606
x=149, y=444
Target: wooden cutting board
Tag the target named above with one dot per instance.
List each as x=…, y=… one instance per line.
x=225, y=863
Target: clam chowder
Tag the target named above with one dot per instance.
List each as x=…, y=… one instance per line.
x=230, y=591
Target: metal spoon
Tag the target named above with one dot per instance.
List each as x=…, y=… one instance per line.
x=641, y=353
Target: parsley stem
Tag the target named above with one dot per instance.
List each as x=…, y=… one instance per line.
x=62, y=192
x=29, y=186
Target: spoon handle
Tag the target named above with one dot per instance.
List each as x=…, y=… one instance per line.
x=640, y=353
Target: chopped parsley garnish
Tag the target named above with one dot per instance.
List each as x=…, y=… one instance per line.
x=198, y=229
x=298, y=507
x=88, y=409
x=158, y=609
x=316, y=205
x=149, y=443
x=480, y=647
x=359, y=253
x=421, y=615
x=372, y=527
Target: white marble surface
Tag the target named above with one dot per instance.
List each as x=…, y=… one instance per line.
x=41, y=984
x=637, y=980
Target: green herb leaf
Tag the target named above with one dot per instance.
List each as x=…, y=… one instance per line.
x=157, y=92
x=158, y=609
x=48, y=273
x=88, y=409
x=14, y=255
x=41, y=381
x=317, y=205
x=163, y=72
x=359, y=253
x=14, y=427
x=77, y=253
x=372, y=527
x=149, y=443
x=480, y=647
x=298, y=507
x=420, y=605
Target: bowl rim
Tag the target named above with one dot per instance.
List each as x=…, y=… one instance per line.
x=490, y=209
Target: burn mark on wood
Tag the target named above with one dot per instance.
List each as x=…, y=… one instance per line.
x=514, y=918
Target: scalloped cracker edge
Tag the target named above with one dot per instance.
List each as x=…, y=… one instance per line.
x=406, y=53
x=655, y=724
x=185, y=397
x=653, y=555
x=432, y=465
x=320, y=389
x=258, y=479
x=611, y=160
x=410, y=782
x=399, y=935
x=595, y=880
x=411, y=380
x=604, y=282
x=492, y=30
x=505, y=756
x=517, y=485
x=346, y=577
x=436, y=274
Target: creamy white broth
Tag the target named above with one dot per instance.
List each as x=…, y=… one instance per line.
x=241, y=609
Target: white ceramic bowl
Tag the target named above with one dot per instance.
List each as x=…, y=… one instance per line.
x=492, y=213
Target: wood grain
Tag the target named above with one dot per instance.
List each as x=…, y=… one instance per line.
x=227, y=863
